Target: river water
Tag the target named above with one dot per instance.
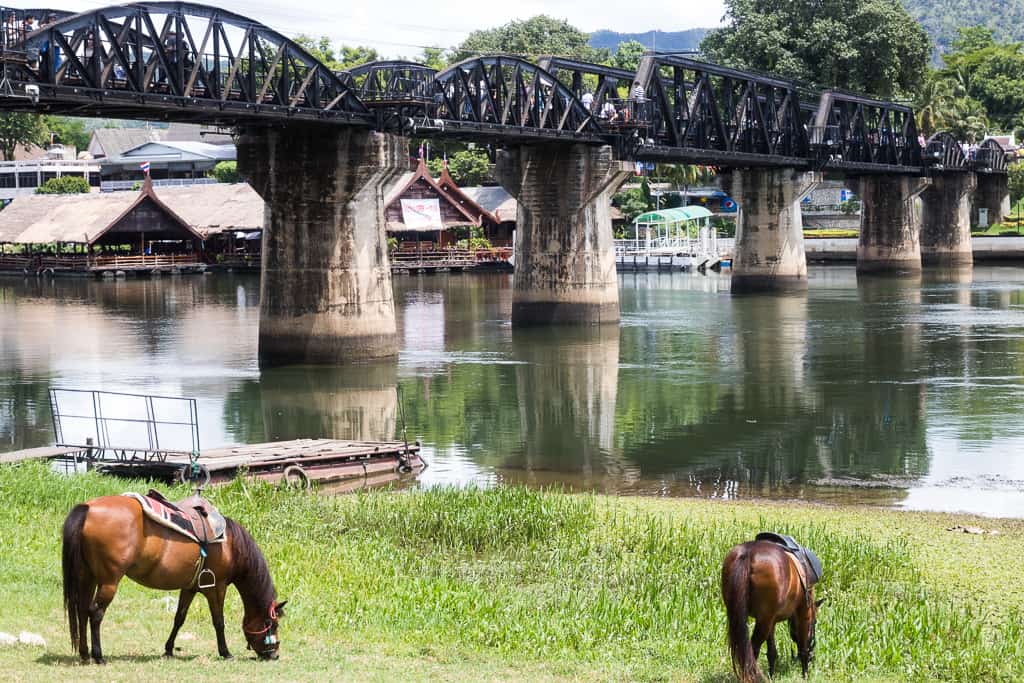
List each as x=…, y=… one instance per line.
x=906, y=393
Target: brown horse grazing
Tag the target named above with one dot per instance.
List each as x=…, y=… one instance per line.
x=108, y=538
x=761, y=580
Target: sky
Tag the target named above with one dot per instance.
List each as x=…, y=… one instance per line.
x=403, y=27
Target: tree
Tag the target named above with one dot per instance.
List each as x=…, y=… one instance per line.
x=67, y=184
x=225, y=172
x=20, y=130
x=991, y=73
x=628, y=54
x=344, y=59
x=467, y=168
x=634, y=201
x=68, y=131
x=871, y=46
x=434, y=58
x=1016, y=182
x=531, y=38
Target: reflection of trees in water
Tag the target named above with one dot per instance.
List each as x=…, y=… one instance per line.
x=25, y=420
x=976, y=356
x=810, y=400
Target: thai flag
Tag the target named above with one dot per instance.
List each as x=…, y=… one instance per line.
x=145, y=167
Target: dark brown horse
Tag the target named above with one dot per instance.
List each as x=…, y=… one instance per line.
x=108, y=538
x=760, y=580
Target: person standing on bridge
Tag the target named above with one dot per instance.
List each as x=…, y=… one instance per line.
x=588, y=100
x=639, y=94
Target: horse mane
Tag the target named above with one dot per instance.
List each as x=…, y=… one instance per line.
x=253, y=574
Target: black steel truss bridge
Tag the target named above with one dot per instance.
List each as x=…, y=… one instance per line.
x=186, y=62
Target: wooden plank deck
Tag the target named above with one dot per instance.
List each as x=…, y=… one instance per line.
x=278, y=453
x=43, y=453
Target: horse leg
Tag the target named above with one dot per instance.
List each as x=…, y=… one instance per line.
x=763, y=630
x=773, y=654
x=215, y=598
x=104, y=595
x=184, y=602
x=85, y=598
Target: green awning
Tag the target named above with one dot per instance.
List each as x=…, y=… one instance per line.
x=679, y=215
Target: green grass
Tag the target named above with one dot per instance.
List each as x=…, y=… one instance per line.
x=517, y=584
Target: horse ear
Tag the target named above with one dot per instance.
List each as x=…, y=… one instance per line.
x=280, y=608
x=818, y=603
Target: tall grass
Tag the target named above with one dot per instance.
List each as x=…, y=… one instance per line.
x=529, y=576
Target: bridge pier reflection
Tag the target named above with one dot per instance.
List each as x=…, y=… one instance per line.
x=325, y=294
x=567, y=387
x=356, y=402
x=946, y=221
x=564, y=255
x=769, y=253
x=890, y=224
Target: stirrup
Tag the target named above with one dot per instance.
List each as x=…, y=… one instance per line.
x=204, y=576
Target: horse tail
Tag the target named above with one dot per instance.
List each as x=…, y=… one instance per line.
x=736, y=592
x=74, y=565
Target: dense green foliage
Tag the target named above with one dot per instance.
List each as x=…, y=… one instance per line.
x=514, y=584
x=342, y=59
x=627, y=55
x=225, y=172
x=1016, y=182
x=871, y=46
x=68, y=131
x=64, y=185
x=532, y=38
x=944, y=18
x=467, y=168
x=990, y=73
x=20, y=130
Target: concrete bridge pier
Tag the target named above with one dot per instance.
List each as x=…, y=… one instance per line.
x=769, y=252
x=992, y=194
x=564, y=254
x=946, y=221
x=890, y=224
x=325, y=293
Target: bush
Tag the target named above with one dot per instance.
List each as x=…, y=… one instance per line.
x=64, y=185
x=225, y=172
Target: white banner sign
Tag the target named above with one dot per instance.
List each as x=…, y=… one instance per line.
x=421, y=214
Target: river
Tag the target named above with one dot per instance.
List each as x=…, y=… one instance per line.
x=904, y=393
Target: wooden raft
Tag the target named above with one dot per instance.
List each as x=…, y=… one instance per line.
x=320, y=459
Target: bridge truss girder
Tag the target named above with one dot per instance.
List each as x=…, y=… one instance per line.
x=178, y=61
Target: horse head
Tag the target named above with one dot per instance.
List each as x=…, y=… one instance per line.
x=261, y=631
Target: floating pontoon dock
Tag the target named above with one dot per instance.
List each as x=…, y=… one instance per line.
x=94, y=428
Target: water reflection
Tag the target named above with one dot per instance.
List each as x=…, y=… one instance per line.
x=881, y=390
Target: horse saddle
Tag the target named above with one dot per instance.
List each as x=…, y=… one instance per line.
x=194, y=517
x=806, y=556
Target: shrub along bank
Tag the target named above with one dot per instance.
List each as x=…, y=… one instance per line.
x=517, y=584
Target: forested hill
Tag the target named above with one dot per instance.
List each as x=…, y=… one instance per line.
x=942, y=18
x=662, y=40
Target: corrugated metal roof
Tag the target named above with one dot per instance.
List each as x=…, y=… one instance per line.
x=177, y=151
x=208, y=209
x=677, y=215
x=496, y=200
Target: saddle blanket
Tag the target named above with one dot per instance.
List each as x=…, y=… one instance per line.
x=193, y=517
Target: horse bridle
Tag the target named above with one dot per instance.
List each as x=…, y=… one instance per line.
x=269, y=639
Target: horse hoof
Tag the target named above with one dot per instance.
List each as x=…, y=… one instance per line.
x=101, y=661
x=227, y=655
x=168, y=654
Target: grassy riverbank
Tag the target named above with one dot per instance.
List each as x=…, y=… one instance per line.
x=512, y=584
